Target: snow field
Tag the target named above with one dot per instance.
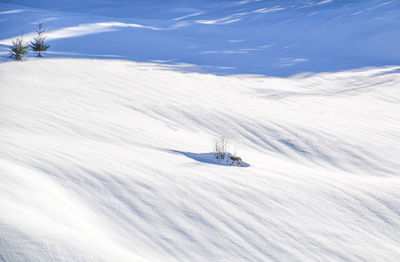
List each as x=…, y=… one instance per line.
x=102, y=161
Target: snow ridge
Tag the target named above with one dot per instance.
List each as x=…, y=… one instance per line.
x=99, y=162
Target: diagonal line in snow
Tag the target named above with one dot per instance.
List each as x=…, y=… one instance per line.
x=80, y=30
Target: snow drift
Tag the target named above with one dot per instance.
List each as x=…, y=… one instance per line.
x=104, y=161
x=273, y=37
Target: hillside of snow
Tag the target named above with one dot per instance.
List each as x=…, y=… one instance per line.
x=274, y=37
x=106, y=143
x=106, y=160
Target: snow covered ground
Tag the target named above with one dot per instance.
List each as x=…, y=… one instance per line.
x=270, y=37
x=110, y=159
x=106, y=160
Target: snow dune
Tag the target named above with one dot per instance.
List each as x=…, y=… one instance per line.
x=279, y=38
x=103, y=161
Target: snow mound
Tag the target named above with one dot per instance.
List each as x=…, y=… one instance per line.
x=107, y=161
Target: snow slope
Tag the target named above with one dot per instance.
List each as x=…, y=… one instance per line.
x=106, y=160
x=274, y=37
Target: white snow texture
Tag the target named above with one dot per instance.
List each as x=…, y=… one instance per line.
x=111, y=160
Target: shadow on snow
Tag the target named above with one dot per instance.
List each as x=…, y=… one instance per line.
x=207, y=158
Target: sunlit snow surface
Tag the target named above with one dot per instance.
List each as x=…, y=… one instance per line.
x=110, y=159
x=104, y=161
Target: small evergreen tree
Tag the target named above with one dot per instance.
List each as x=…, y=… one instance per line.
x=18, y=49
x=39, y=45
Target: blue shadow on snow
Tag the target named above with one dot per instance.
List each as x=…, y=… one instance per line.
x=207, y=158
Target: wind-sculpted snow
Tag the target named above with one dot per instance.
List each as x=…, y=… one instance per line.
x=110, y=161
x=276, y=38
x=83, y=29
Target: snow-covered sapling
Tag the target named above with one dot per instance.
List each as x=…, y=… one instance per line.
x=39, y=45
x=18, y=50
